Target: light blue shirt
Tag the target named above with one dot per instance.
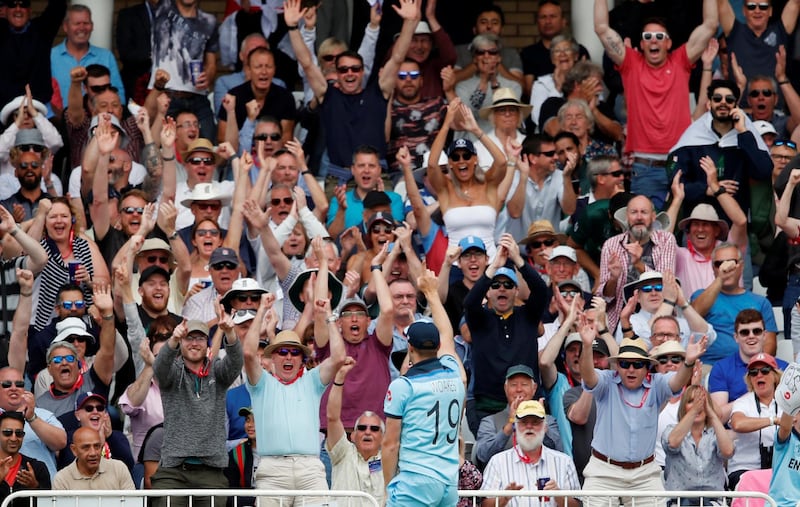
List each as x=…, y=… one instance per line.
x=288, y=414
x=61, y=63
x=555, y=398
x=627, y=420
x=33, y=447
x=354, y=214
x=428, y=400
x=784, y=486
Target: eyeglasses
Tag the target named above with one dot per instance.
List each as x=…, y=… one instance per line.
x=758, y=331
x=729, y=99
x=92, y=408
x=670, y=359
x=666, y=336
x=751, y=6
x=473, y=254
x=372, y=427
x=285, y=352
x=359, y=313
x=25, y=4
x=784, y=158
x=188, y=125
x=16, y=383
x=152, y=259
x=7, y=432
x=100, y=88
x=213, y=206
x=69, y=305
x=570, y=293
x=545, y=242
x=76, y=338
x=403, y=75
x=59, y=359
x=656, y=35
x=484, y=52
x=286, y=200
x=201, y=161
x=764, y=370
x=244, y=298
x=130, y=210
x=207, y=232
x=344, y=69
x=38, y=148
x=614, y=174
x=263, y=137
x=196, y=338
x=766, y=92
x=548, y=154
x=328, y=58
x=34, y=165
x=506, y=284
x=224, y=265
x=785, y=142
x=637, y=365
x=457, y=157
x=720, y=262
x=381, y=229
x=650, y=288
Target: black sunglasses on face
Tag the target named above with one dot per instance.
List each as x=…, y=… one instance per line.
x=729, y=99
x=764, y=370
x=286, y=200
x=16, y=383
x=92, y=408
x=76, y=338
x=7, y=432
x=637, y=365
x=244, y=298
x=758, y=331
x=483, y=52
x=344, y=69
x=546, y=242
x=328, y=58
x=372, y=427
x=224, y=265
x=25, y=4
x=151, y=259
x=763, y=6
x=263, y=137
x=670, y=359
x=285, y=352
x=100, y=88
x=615, y=174
x=766, y=92
x=201, y=161
x=457, y=157
x=38, y=148
x=506, y=284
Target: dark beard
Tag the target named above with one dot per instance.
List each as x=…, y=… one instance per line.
x=725, y=119
x=30, y=185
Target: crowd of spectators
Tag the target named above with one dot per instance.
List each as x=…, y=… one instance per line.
x=372, y=238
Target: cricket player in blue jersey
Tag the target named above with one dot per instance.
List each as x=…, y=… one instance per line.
x=423, y=414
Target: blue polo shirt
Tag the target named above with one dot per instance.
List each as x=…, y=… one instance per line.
x=354, y=214
x=61, y=63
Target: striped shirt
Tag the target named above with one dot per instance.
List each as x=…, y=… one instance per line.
x=55, y=274
x=9, y=293
x=507, y=467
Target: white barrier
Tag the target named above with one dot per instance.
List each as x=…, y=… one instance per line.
x=137, y=498
x=559, y=497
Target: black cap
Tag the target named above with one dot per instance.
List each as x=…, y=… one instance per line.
x=376, y=198
x=153, y=270
x=423, y=335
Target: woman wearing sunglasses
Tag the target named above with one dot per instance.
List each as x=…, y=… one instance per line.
x=469, y=198
x=754, y=416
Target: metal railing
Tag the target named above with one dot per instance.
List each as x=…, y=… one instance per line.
x=558, y=498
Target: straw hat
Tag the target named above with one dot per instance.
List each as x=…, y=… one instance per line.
x=635, y=350
x=706, y=213
x=286, y=338
x=503, y=97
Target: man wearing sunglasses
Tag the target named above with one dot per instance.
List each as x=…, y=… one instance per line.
x=21, y=471
x=28, y=158
x=502, y=330
x=223, y=267
x=726, y=380
x=629, y=400
x=76, y=50
x=656, y=82
x=756, y=41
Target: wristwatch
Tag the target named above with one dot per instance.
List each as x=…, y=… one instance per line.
x=332, y=318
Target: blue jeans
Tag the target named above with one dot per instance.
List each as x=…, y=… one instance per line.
x=650, y=181
x=326, y=460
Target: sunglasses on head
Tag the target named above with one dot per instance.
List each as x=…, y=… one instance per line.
x=403, y=75
x=506, y=284
x=92, y=408
x=16, y=383
x=344, y=69
x=381, y=229
x=76, y=338
x=152, y=259
x=224, y=265
x=751, y=6
x=372, y=427
x=785, y=142
x=286, y=351
x=69, y=305
x=637, y=365
x=59, y=359
x=757, y=331
x=484, y=52
x=263, y=137
x=570, y=293
x=100, y=88
x=130, y=210
x=670, y=359
x=457, y=157
x=548, y=154
x=545, y=242
x=244, y=298
x=277, y=201
x=766, y=92
x=7, y=432
x=213, y=206
x=650, y=288
x=729, y=99
x=656, y=35
x=207, y=232
x=719, y=263
x=34, y=165
x=38, y=148
x=201, y=161
x=764, y=370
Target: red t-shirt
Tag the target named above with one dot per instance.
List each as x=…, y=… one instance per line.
x=658, y=100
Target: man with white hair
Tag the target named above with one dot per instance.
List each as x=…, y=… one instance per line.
x=529, y=464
